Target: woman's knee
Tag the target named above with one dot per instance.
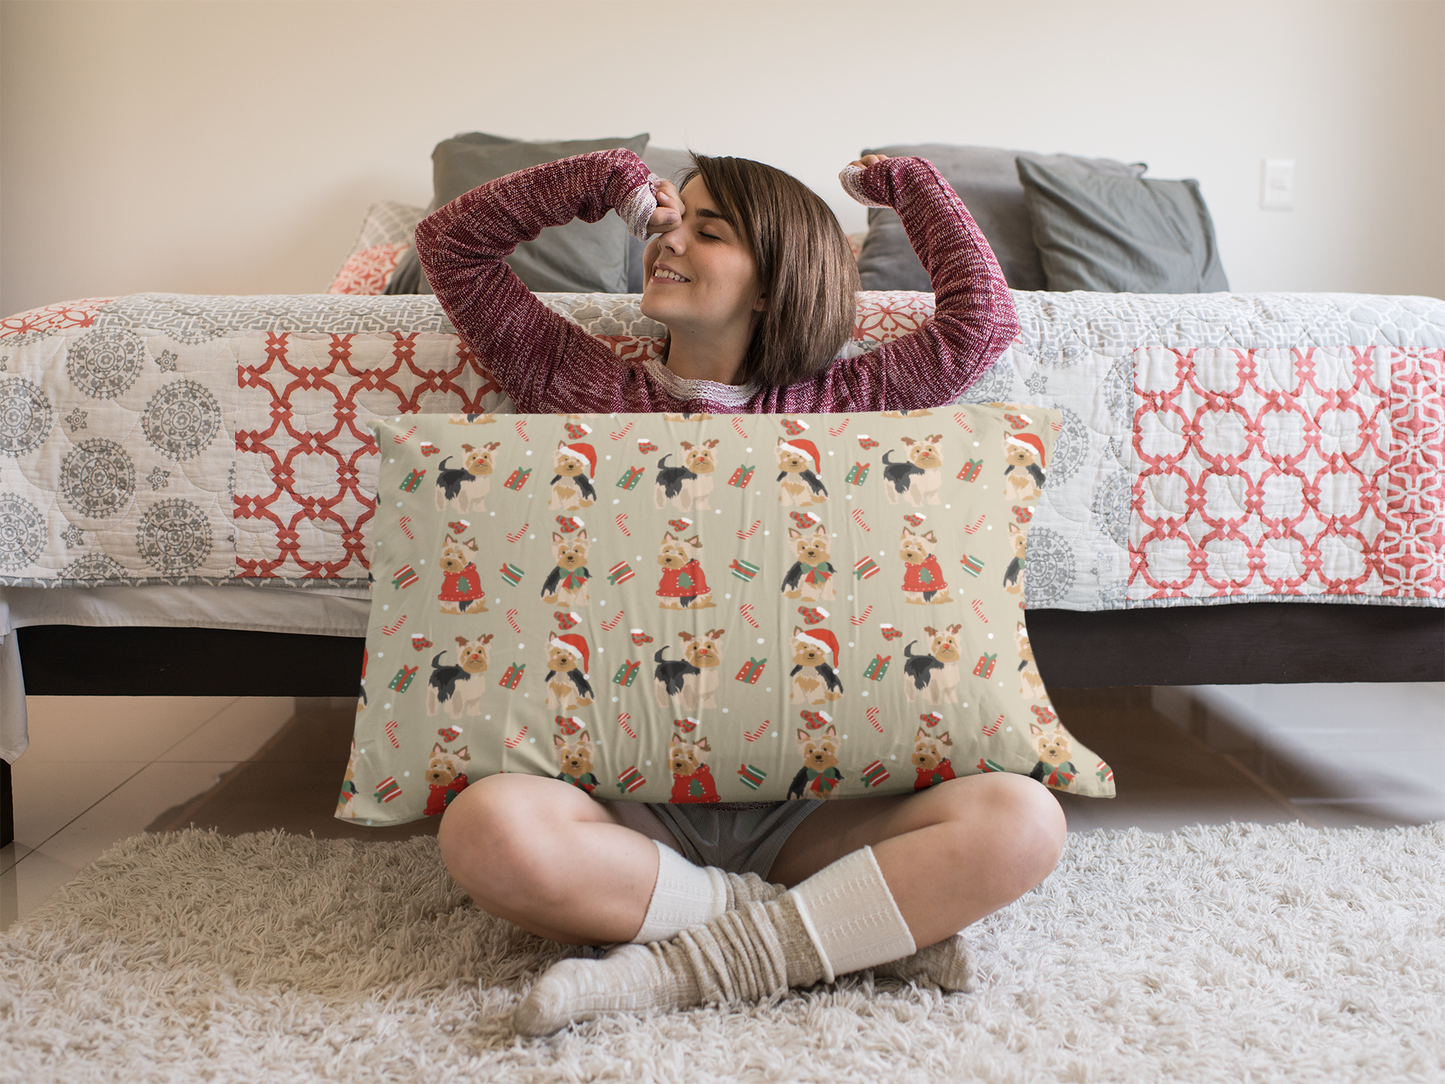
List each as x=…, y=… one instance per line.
x=1021, y=819
x=493, y=838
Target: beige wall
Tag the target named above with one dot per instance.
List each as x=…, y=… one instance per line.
x=233, y=147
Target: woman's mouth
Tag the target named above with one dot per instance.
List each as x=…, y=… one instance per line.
x=667, y=274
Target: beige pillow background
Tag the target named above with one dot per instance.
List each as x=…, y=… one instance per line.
x=705, y=608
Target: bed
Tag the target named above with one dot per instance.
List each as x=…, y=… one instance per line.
x=1243, y=488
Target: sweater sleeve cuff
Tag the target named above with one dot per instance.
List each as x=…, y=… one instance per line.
x=851, y=179
x=636, y=209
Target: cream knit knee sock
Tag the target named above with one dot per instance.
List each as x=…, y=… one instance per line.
x=687, y=895
x=841, y=919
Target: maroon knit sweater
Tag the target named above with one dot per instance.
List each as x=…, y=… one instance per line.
x=548, y=364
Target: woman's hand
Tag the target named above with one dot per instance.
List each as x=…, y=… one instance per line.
x=669, y=209
x=868, y=160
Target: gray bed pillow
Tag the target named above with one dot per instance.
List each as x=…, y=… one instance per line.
x=670, y=165
x=583, y=257
x=1121, y=234
x=987, y=181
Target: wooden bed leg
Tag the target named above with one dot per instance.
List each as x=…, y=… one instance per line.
x=7, y=806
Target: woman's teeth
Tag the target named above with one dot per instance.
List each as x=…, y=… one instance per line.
x=663, y=273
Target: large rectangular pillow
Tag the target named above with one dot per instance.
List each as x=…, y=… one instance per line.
x=698, y=608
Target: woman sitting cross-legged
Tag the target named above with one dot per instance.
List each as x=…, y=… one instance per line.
x=752, y=276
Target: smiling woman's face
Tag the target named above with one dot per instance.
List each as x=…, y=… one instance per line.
x=700, y=276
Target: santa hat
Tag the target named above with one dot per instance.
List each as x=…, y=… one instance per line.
x=587, y=452
x=804, y=447
x=820, y=638
x=1031, y=441
x=573, y=644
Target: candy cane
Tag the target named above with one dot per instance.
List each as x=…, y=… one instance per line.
x=512, y=743
x=512, y=620
x=403, y=438
x=1056, y=426
x=390, y=630
x=610, y=625
x=391, y=733
x=622, y=718
x=978, y=609
x=622, y=524
x=873, y=718
x=754, y=735
x=405, y=523
x=618, y=434
x=990, y=731
x=516, y=536
x=750, y=531
x=521, y=426
x=863, y=618
x=858, y=519
x=746, y=609
x=739, y=427
x=837, y=430
x=976, y=525
x=959, y=419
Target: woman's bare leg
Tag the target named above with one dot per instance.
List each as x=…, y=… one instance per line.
x=543, y=854
x=950, y=854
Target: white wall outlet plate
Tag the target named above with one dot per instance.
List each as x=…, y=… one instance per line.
x=1276, y=192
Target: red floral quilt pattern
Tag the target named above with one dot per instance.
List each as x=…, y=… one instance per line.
x=1288, y=472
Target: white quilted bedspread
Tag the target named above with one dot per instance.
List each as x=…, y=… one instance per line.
x=1214, y=447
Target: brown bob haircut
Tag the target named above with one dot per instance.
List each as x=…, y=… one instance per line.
x=804, y=263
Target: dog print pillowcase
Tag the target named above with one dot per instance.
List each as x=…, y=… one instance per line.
x=705, y=608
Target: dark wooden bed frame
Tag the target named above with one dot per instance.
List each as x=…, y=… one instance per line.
x=1244, y=644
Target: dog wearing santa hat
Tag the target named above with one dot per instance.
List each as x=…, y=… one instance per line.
x=1024, y=474
x=576, y=466
x=567, y=685
x=815, y=677
x=798, y=467
x=687, y=486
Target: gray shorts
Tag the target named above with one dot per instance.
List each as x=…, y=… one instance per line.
x=737, y=840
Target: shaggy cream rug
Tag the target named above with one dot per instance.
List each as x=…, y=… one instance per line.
x=1233, y=953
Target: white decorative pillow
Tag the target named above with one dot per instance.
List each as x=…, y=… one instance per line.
x=697, y=608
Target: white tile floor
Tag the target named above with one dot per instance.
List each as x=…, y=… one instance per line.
x=152, y=753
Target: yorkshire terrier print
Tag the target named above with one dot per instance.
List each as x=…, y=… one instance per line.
x=466, y=487
x=683, y=585
x=445, y=778
x=930, y=759
x=471, y=419
x=459, y=688
x=566, y=584
x=1013, y=575
x=461, y=591
x=923, y=582
x=692, y=780
x=819, y=776
x=575, y=759
x=811, y=576
x=346, y=804
x=1031, y=682
x=1055, y=768
x=815, y=667
x=691, y=682
x=687, y=486
x=574, y=466
x=1024, y=473
x=933, y=677
x=798, y=473
x=567, y=684
x=916, y=481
